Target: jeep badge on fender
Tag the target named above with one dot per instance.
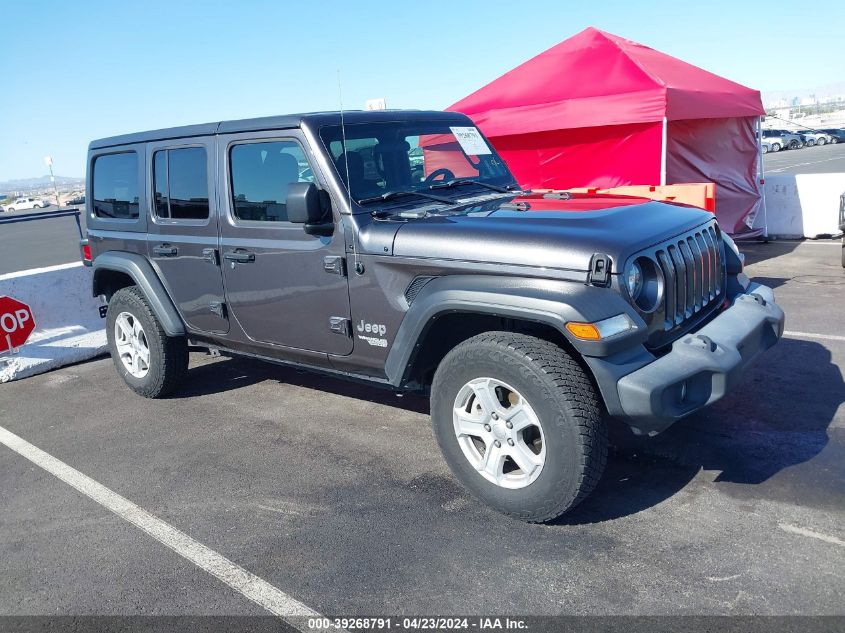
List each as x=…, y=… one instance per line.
x=526, y=330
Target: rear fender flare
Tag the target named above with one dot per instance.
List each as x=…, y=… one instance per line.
x=142, y=273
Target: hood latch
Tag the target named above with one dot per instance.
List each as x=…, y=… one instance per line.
x=599, y=274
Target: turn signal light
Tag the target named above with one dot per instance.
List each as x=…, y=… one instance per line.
x=585, y=331
x=601, y=329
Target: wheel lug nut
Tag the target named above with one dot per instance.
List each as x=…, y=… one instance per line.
x=509, y=425
x=487, y=427
x=497, y=443
x=510, y=442
x=495, y=416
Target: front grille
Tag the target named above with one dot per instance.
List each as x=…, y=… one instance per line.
x=692, y=274
x=692, y=266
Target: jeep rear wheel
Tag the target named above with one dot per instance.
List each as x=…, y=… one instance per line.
x=520, y=424
x=150, y=362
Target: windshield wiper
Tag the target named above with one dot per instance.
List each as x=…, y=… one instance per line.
x=389, y=195
x=469, y=181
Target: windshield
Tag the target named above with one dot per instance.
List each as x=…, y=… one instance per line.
x=396, y=156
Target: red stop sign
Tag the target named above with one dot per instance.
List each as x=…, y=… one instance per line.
x=16, y=323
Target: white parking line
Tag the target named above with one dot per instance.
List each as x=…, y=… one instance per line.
x=805, y=532
x=812, y=162
x=247, y=584
x=822, y=337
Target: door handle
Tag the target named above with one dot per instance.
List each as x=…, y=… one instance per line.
x=165, y=250
x=239, y=257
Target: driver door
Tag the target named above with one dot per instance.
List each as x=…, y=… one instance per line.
x=279, y=286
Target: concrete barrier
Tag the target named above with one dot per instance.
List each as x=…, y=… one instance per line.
x=68, y=326
x=802, y=205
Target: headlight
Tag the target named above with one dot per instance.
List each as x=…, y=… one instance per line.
x=644, y=283
x=634, y=280
x=734, y=260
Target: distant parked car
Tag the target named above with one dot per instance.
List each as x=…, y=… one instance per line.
x=78, y=200
x=776, y=141
x=791, y=139
x=808, y=139
x=27, y=203
x=815, y=137
x=837, y=135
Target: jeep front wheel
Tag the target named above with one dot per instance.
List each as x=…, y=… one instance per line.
x=150, y=362
x=520, y=424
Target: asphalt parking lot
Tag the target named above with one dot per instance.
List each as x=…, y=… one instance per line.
x=336, y=495
x=39, y=243
x=807, y=160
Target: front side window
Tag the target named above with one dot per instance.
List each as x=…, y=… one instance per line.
x=116, y=186
x=180, y=182
x=261, y=173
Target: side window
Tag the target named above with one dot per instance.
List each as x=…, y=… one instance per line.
x=261, y=173
x=180, y=183
x=116, y=186
x=160, y=203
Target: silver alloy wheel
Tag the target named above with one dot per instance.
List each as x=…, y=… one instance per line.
x=131, y=343
x=499, y=433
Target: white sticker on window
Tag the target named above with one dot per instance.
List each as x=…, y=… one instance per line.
x=471, y=140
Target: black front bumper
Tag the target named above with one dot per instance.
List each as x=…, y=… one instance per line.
x=701, y=367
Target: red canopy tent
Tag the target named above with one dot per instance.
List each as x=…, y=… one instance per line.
x=598, y=110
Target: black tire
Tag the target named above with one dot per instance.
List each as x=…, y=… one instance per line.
x=811, y=142
x=793, y=144
x=168, y=354
x=821, y=141
x=10, y=209
x=833, y=140
x=775, y=147
x=843, y=252
x=567, y=406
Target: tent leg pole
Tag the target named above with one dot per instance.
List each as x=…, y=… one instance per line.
x=663, y=152
x=761, y=179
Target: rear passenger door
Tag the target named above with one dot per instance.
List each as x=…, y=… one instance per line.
x=183, y=238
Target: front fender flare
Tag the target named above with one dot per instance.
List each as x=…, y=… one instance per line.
x=139, y=269
x=547, y=301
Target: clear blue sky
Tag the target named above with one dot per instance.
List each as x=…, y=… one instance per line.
x=75, y=71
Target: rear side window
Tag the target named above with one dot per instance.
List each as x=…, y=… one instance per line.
x=261, y=173
x=116, y=186
x=180, y=182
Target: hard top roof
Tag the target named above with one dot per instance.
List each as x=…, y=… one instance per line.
x=287, y=121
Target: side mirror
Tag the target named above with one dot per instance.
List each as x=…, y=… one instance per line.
x=307, y=205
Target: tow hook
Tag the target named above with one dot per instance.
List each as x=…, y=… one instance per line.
x=754, y=297
x=702, y=341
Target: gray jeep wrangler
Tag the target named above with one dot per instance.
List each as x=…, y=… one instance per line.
x=398, y=249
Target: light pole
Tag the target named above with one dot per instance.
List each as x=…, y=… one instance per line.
x=49, y=161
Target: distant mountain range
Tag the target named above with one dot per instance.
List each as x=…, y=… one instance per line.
x=29, y=183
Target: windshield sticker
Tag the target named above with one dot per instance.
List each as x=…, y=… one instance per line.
x=471, y=141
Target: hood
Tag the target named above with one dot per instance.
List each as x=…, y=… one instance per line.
x=551, y=233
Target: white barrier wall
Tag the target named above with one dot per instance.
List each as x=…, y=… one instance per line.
x=802, y=205
x=68, y=327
